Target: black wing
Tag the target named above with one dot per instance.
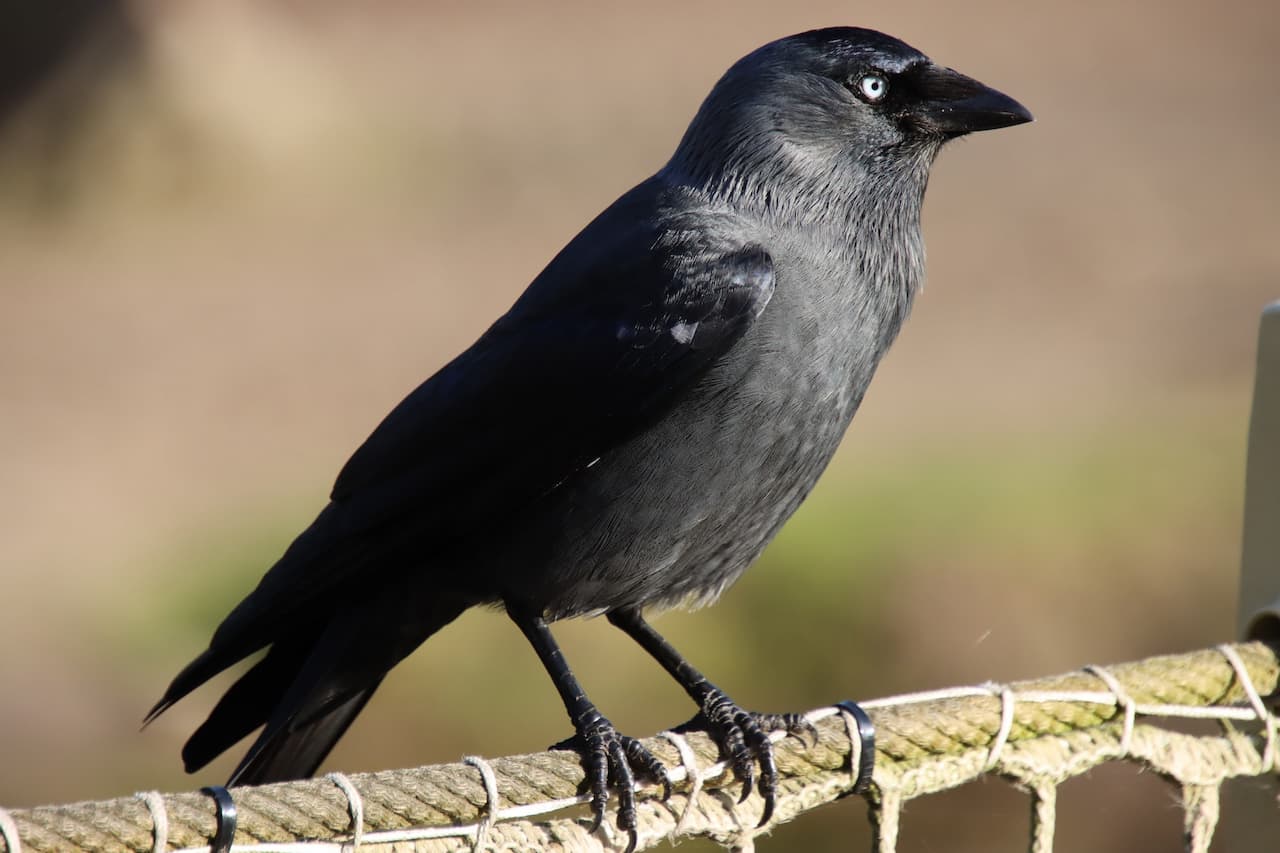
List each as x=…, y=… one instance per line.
x=549, y=389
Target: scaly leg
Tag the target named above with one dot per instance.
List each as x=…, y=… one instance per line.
x=743, y=735
x=610, y=756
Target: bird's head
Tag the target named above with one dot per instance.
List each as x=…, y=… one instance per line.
x=825, y=98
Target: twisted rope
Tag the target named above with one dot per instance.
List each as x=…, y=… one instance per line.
x=1037, y=733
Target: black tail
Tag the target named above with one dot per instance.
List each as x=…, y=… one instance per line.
x=307, y=689
x=297, y=751
x=249, y=702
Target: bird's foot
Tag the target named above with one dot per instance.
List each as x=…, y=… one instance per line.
x=744, y=738
x=613, y=759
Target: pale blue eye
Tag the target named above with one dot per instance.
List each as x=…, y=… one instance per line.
x=873, y=87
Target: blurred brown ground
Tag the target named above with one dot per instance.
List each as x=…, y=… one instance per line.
x=223, y=259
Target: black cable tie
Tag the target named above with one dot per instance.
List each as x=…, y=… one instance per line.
x=226, y=817
x=867, y=755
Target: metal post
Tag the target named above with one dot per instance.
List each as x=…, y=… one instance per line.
x=1252, y=813
x=1259, y=609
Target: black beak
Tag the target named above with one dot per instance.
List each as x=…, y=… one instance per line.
x=951, y=104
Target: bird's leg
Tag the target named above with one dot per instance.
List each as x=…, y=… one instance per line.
x=744, y=735
x=611, y=757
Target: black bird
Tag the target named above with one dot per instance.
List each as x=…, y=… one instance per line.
x=636, y=428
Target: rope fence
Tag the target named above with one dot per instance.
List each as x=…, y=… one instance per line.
x=1035, y=733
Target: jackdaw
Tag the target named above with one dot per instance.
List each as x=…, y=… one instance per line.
x=635, y=429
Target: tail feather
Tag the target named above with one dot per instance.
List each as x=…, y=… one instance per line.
x=278, y=607
x=206, y=666
x=309, y=687
x=249, y=702
x=296, y=752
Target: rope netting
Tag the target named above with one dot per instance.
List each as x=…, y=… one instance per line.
x=1036, y=733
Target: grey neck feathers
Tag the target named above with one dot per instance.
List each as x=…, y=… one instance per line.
x=864, y=212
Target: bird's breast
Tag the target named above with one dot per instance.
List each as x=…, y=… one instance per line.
x=678, y=512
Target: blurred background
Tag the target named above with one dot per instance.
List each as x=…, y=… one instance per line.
x=233, y=235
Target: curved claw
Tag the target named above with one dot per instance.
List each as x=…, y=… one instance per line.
x=744, y=767
x=624, y=781
x=613, y=759
x=744, y=737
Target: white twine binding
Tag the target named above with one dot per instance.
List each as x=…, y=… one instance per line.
x=159, y=819
x=855, y=745
x=1259, y=707
x=9, y=832
x=490, y=780
x=689, y=761
x=1007, y=702
x=1123, y=700
x=355, y=808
